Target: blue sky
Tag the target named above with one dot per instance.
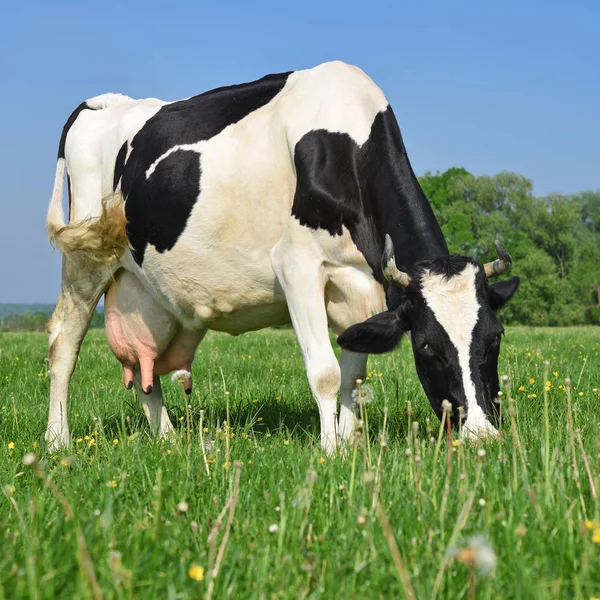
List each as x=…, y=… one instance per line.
x=512, y=85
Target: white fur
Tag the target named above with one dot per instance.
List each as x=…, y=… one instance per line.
x=107, y=100
x=454, y=304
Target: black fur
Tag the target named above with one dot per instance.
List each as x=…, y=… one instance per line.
x=169, y=195
x=157, y=209
x=119, y=165
x=371, y=190
x=68, y=125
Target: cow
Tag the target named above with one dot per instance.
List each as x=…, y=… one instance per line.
x=287, y=199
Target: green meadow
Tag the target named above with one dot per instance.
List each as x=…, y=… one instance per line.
x=242, y=503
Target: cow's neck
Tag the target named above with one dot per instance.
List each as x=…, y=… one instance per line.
x=401, y=208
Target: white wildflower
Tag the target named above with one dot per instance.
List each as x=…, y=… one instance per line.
x=363, y=395
x=273, y=528
x=182, y=507
x=485, y=558
x=181, y=376
x=29, y=459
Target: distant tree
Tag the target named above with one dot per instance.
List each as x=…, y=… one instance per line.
x=554, y=240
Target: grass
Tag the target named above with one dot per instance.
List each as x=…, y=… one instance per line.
x=122, y=514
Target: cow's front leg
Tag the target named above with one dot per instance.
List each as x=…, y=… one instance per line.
x=300, y=276
x=353, y=366
x=82, y=286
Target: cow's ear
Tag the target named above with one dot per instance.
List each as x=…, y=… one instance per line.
x=502, y=291
x=379, y=334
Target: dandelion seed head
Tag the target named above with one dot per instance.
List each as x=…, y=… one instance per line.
x=180, y=376
x=363, y=395
x=29, y=459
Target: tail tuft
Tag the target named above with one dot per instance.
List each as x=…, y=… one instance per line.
x=101, y=238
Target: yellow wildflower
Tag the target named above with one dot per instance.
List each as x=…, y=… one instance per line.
x=322, y=459
x=79, y=440
x=596, y=536
x=11, y=445
x=531, y=380
x=91, y=442
x=456, y=443
x=196, y=572
x=259, y=419
x=555, y=373
x=115, y=441
x=112, y=483
x=35, y=444
x=64, y=462
x=286, y=442
x=581, y=393
x=522, y=388
x=594, y=390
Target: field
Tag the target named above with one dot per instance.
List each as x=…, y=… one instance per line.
x=263, y=513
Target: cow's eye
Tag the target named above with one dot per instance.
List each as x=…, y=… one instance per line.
x=426, y=349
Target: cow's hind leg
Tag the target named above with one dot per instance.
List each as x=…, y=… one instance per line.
x=83, y=283
x=154, y=407
x=301, y=278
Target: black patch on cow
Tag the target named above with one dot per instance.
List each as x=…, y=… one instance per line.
x=157, y=209
x=370, y=189
x=70, y=192
x=169, y=195
x=68, y=125
x=447, y=266
x=119, y=165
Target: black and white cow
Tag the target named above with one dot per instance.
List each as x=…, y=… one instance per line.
x=252, y=205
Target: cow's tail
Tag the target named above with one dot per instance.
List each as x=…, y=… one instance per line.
x=56, y=216
x=99, y=238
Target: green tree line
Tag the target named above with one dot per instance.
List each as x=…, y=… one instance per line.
x=554, y=241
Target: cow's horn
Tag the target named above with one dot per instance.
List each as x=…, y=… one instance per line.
x=499, y=266
x=388, y=265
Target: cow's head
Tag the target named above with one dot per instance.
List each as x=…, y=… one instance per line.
x=449, y=308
